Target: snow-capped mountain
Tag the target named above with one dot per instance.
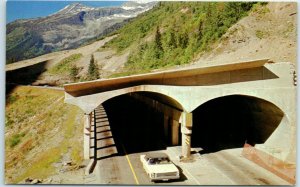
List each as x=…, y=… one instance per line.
x=132, y=5
x=68, y=28
x=74, y=8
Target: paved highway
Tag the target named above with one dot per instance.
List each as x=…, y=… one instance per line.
x=43, y=87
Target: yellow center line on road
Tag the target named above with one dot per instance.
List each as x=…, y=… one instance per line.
x=130, y=165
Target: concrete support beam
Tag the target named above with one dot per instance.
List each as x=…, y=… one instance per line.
x=186, y=130
x=86, y=136
x=87, y=121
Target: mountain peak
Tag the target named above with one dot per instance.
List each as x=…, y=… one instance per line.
x=74, y=8
x=133, y=5
x=70, y=27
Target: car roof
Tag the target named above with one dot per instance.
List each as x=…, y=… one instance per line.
x=156, y=155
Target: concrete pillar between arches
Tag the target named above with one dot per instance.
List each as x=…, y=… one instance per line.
x=86, y=136
x=186, y=130
x=186, y=145
x=87, y=121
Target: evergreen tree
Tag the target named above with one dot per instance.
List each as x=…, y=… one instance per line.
x=183, y=40
x=200, y=29
x=172, y=39
x=73, y=72
x=158, y=49
x=158, y=43
x=93, y=72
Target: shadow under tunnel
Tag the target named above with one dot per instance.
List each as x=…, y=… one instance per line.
x=24, y=76
x=231, y=121
x=134, y=125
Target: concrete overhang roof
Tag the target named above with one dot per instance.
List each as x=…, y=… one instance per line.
x=156, y=78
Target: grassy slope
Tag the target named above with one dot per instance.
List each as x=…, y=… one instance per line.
x=39, y=129
x=64, y=67
x=185, y=28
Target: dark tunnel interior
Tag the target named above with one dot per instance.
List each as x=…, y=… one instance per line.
x=135, y=125
x=231, y=121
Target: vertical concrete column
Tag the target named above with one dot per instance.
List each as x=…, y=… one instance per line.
x=186, y=130
x=86, y=136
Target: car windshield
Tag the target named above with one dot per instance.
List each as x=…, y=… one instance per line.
x=153, y=161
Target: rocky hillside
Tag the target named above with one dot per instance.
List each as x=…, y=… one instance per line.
x=68, y=28
x=268, y=32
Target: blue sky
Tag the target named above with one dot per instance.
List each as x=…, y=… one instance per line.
x=32, y=9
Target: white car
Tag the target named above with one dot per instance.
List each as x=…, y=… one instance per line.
x=159, y=167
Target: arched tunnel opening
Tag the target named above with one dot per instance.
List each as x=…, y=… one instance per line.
x=135, y=125
x=231, y=121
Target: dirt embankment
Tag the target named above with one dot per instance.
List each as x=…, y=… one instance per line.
x=267, y=32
